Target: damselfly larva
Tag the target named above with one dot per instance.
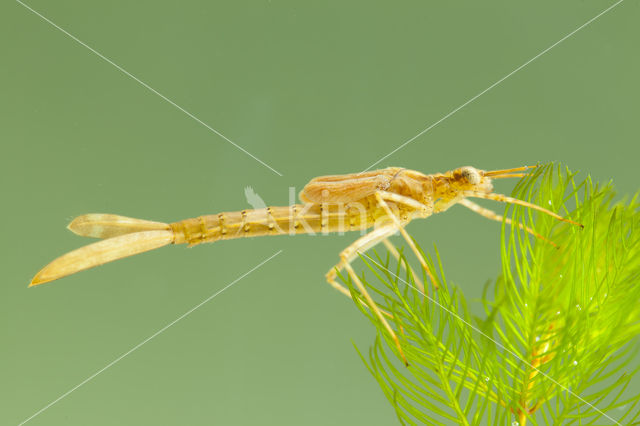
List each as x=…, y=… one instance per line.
x=386, y=200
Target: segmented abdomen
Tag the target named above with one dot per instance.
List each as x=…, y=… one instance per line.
x=295, y=219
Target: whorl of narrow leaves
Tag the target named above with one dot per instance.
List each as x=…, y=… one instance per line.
x=558, y=342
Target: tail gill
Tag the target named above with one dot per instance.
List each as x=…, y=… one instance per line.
x=121, y=237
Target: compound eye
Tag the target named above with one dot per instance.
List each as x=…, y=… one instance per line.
x=471, y=175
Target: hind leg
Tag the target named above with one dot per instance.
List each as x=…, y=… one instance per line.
x=400, y=199
x=346, y=257
x=374, y=308
x=390, y=247
x=361, y=245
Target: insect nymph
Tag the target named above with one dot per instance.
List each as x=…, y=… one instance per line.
x=385, y=200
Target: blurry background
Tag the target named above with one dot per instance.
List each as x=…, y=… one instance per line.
x=310, y=90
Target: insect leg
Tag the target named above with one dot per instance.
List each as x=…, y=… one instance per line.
x=346, y=257
x=380, y=196
x=391, y=248
x=407, y=201
x=505, y=199
x=375, y=310
x=350, y=253
x=490, y=214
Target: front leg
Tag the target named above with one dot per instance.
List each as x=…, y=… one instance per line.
x=490, y=214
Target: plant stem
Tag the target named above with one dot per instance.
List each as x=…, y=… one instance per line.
x=522, y=417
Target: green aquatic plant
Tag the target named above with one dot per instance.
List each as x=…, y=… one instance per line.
x=554, y=340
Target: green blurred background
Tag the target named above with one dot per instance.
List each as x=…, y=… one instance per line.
x=310, y=89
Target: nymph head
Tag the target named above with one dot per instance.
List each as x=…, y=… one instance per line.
x=471, y=179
